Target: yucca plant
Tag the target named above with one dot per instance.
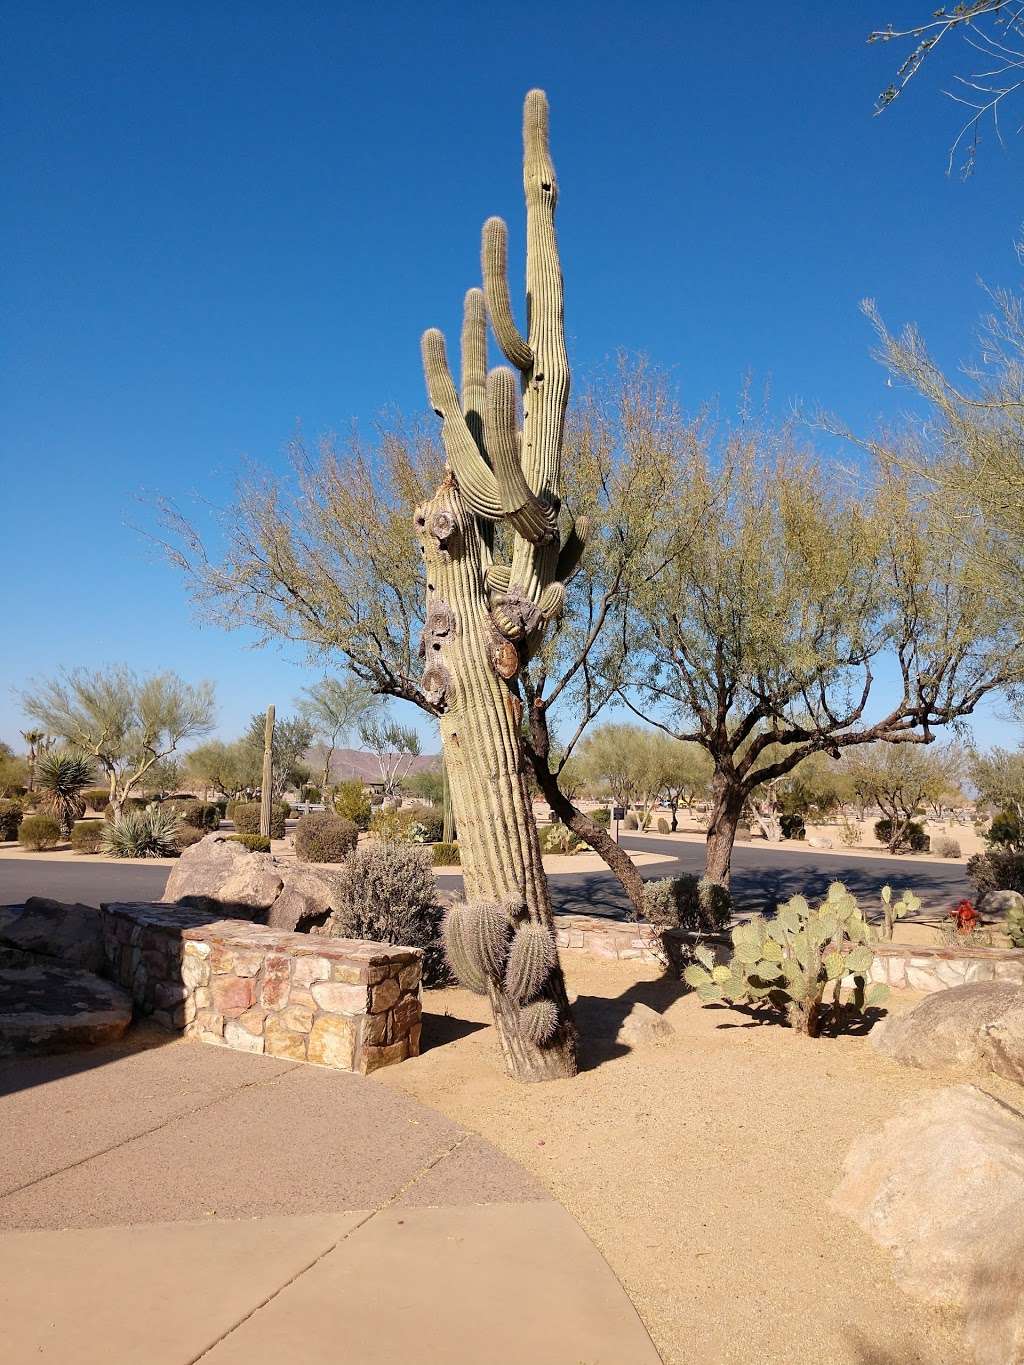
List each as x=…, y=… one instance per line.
x=149, y=833
x=61, y=777
x=786, y=963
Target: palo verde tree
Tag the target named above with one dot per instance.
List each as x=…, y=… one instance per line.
x=810, y=616
x=335, y=708
x=125, y=723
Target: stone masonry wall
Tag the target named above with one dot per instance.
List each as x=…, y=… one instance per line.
x=344, y=1003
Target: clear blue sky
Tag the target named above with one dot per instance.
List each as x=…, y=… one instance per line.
x=223, y=219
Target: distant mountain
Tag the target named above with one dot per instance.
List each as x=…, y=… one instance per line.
x=349, y=763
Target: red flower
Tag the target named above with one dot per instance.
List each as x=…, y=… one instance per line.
x=965, y=917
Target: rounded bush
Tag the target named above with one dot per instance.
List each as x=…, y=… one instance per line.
x=351, y=801
x=38, y=832
x=792, y=826
x=87, y=835
x=311, y=793
x=96, y=798
x=255, y=843
x=324, y=838
x=913, y=837
x=602, y=817
x=946, y=847
x=631, y=822
x=202, y=815
x=188, y=835
x=446, y=855
x=1005, y=830
x=392, y=825
x=246, y=816
x=11, y=815
x=663, y=825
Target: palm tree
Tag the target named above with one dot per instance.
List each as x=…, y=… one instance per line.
x=33, y=738
x=62, y=776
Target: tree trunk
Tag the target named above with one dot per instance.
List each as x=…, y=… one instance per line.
x=726, y=807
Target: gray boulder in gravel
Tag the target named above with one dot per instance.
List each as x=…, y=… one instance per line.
x=968, y=1029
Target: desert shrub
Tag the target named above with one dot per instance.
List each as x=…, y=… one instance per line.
x=351, y=800
x=87, y=835
x=431, y=821
x=247, y=818
x=324, y=838
x=849, y=834
x=286, y=806
x=792, y=826
x=11, y=815
x=97, y=799
x=38, y=832
x=387, y=893
x=786, y=963
x=631, y=822
x=446, y=855
x=148, y=833
x=687, y=902
x=558, y=839
x=188, y=835
x=1005, y=831
x=1000, y=869
x=202, y=815
x=946, y=847
x=663, y=825
x=602, y=817
x=310, y=793
x=913, y=836
x=392, y=825
x=255, y=843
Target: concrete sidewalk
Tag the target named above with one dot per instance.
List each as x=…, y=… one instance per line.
x=166, y=1204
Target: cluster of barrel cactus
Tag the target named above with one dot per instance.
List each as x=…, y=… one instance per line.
x=787, y=962
x=494, y=947
x=894, y=910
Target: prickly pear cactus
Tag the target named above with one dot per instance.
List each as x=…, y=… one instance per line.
x=1015, y=925
x=894, y=910
x=787, y=962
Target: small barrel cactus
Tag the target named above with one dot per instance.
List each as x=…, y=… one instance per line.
x=787, y=962
x=476, y=941
x=530, y=960
x=539, y=1021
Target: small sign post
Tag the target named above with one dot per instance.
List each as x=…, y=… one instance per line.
x=617, y=814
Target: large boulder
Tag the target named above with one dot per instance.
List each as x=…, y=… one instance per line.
x=967, y=1029
x=941, y=1186
x=223, y=877
x=68, y=934
x=307, y=897
x=998, y=903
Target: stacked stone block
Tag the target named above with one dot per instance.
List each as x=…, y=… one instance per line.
x=345, y=1003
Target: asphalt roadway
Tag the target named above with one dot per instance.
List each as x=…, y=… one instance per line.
x=761, y=878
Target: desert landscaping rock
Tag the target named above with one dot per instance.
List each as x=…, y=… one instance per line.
x=308, y=896
x=223, y=876
x=644, y=1027
x=69, y=934
x=995, y=904
x=968, y=1029
x=941, y=1186
x=46, y=1008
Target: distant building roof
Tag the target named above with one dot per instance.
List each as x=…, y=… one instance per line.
x=349, y=763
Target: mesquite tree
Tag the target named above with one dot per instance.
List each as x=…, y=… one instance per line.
x=485, y=617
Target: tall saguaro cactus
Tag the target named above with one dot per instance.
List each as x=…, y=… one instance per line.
x=267, y=785
x=485, y=618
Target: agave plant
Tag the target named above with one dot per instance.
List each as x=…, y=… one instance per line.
x=149, y=833
x=61, y=777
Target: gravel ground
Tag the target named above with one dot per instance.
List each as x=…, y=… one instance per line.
x=702, y=1168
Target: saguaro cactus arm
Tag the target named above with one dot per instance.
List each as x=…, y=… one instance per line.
x=534, y=520
x=474, y=476
x=494, y=264
x=474, y=365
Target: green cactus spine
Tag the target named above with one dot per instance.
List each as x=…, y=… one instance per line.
x=495, y=614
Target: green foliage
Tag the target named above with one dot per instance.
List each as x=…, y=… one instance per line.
x=14, y=771
x=849, y=834
x=87, y=835
x=389, y=894
x=187, y=835
x=351, y=800
x=292, y=737
x=61, y=777
x=1006, y=830
x=149, y=833
x=202, y=815
x=246, y=817
x=786, y=963
x=96, y=798
x=446, y=855
x=892, y=910
x=945, y=847
x=1000, y=869
x=255, y=843
x=695, y=904
x=324, y=838
x=602, y=816
x=392, y=825
x=558, y=838
x=430, y=822
x=792, y=826
x=1015, y=925
x=38, y=832
x=912, y=837
x=310, y=793
x=11, y=815
x=427, y=784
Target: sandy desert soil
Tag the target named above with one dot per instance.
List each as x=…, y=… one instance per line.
x=701, y=1168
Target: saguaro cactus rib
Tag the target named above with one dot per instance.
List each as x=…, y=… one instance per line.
x=475, y=477
x=534, y=520
x=494, y=263
x=471, y=666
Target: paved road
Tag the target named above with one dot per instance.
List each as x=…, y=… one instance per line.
x=761, y=878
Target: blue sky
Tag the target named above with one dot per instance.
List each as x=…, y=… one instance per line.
x=227, y=219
